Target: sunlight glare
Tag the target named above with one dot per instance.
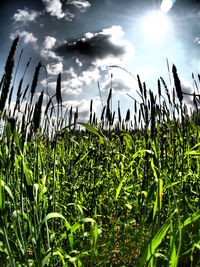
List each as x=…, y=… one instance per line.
x=166, y=5
x=155, y=26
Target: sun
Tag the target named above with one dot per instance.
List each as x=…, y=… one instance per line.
x=155, y=26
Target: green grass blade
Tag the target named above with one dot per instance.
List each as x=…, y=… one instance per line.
x=92, y=130
x=119, y=189
x=7, y=189
x=46, y=257
x=54, y=215
x=156, y=241
x=191, y=219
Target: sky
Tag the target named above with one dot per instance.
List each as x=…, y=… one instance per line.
x=84, y=39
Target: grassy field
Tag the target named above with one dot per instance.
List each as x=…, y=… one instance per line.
x=116, y=192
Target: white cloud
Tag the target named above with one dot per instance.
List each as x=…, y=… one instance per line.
x=55, y=69
x=78, y=62
x=122, y=82
x=189, y=89
x=46, y=52
x=83, y=5
x=90, y=75
x=68, y=15
x=83, y=107
x=197, y=40
x=27, y=36
x=71, y=72
x=25, y=15
x=49, y=42
x=70, y=87
x=54, y=8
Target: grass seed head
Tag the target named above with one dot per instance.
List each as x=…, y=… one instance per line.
x=35, y=80
x=37, y=113
x=127, y=115
x=159, y=88
x=102, y=113
x=58, y=89
x=8, y=75
x=177, y=84
x=119, y=113
x=140, y=85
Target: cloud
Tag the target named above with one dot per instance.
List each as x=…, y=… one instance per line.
x=83, y=61
x=118, y=85
x=82, y=5
x=90, y=75
x=49, y=42
x=25, y=15
x=98, y=49
x=70, y=82
x=28, y=37
x=65, y=9
x=189, y=89
x=47, y=48
x=55, y=9
x=121, y=82
x=47, y=54
x=55, y=69
x=83, y=107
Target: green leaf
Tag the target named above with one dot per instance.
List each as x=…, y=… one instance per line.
x=119, y=189
x=172, y=184
x=54, y=215
x=92, y=130
x=173, y=254
x=142, y=152
x=75, y=227
x=191, y=219
x=26, y=173
x=46, y=257
x=61, y=256
x=7, y=189
x=129, y=206
x=155, y=242
x=192, y=153
x=85, y=220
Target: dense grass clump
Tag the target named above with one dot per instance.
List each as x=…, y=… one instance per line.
x=118, y=193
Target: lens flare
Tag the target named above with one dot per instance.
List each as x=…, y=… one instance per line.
x=166, y=5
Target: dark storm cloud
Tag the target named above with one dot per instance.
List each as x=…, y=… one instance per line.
x=96, y=46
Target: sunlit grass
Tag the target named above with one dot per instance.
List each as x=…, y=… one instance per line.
x=119, y=193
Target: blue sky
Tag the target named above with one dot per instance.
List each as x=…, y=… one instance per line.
x=82, y=38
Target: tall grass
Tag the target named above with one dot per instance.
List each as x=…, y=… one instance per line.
x=119, y=193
